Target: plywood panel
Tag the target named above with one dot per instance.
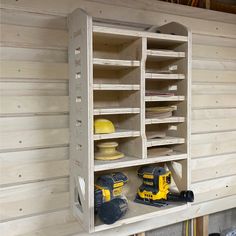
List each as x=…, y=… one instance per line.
x=31, y=37
x=33, y=198
x=33, y=138
x=11, y=88
x=33, y=104
x=31, y=54
x=15, y=173
x=213, y=144
x=33, y=70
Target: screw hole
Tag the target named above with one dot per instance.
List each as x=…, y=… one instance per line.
x=20, y=209
x=19, y=176
x=226, y=186
x=78, y=99
x=18, y=106
x=20, y=141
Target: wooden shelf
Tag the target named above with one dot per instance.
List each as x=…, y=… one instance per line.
x=160, y=55
x=134, y=161
x=100, y=62
x=164, y=99
x=173, y=119
x=116, y=87
x=138, y=212
x=164, y=141
x=118, y=134
x=119, y=110
x=164, y=76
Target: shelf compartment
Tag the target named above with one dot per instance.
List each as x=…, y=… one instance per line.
x=134, y=161
x=120, y=133
x=116, y=87
x=138, y=212
x=157, y=76
x=164, y=141
x=160, y=38
x=172, y=119
x=160, y=55
x=100, y=62
x=116, y=99
x=164, y=99
x=117, y=111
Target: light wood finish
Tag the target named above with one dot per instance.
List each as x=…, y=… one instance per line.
x=40, y=20
x=164, y=76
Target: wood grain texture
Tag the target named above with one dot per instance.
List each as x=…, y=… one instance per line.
x=33, y=104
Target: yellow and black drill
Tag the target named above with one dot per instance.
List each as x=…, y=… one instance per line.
x=110, y=203
x=155, y=189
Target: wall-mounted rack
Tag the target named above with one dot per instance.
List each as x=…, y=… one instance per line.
x=139, y=80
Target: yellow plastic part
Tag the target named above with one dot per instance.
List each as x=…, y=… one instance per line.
x=107, y=151
x=163, y=189
x=103, y=126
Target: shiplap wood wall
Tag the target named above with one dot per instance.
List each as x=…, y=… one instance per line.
x=34, y=194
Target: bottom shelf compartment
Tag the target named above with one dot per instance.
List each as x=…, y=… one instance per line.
x=137, y=211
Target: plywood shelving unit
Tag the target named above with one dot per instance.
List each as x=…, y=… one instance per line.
x=118, y=74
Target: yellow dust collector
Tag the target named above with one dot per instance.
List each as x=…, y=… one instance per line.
x=103, y=126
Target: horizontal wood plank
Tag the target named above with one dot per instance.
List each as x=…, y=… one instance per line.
x=210, y=88
x=218, y=76
x=214, y=114
x=33, y=198
x=33, y=70
x=214, y=52
x=12, y=88
x=213, y=125
x=23, y=18
x=33, y=104
x=228, y=65
x=31, y=54
x=15, y=173
x=214, y=101
x=30, y=224
x=210, y=144
x=32, y=37
x=33, y=122
x=34, y=156
x=213, y=167
x=33, y=139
